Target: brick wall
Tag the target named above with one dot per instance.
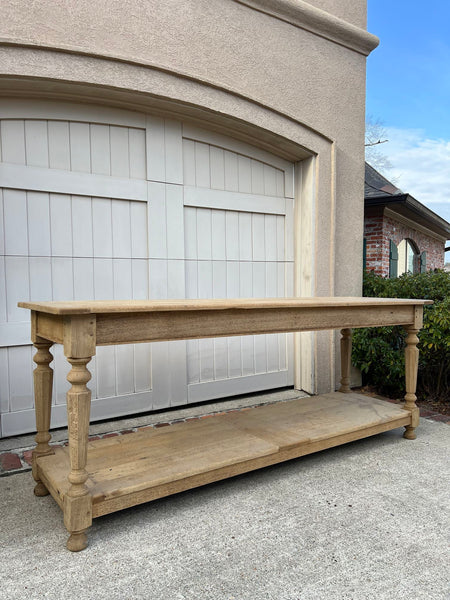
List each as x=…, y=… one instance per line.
x=379, y=229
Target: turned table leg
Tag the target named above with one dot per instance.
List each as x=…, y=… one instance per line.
x=346, y=359
x=77, y=501
x=43, y=383
x=411, y=367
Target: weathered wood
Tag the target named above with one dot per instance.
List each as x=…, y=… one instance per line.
x=166, y=325
x=156, y=462
x=50, y=327
x=78, y=502
x=124, y=306
x=411, y=367
x=43, y=382
x=79, y=336
x=150, y=464
x=346, y=359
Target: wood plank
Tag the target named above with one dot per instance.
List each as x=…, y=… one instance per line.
x=133, y=306
x=120, y=160
x=204, y=197
x=164, y=326
x=193, y=132
x=59, y=145
x=313, y=419
x=80, y=147
x=72, y=182
x=17, y=284
x=100, y=149
x=15, y=334
x=61, y=225
x=38, y=213
x=50, y=327
x=13, y=140
x=65, y=111
x=15, y=222
x=36, y=143
x=152, y=463
x=155, y=147
x=133, y=499
x=173, y=152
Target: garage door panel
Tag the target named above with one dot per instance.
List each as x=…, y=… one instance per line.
x=20, y=377
x=139, y=279
x=166, y=221
x=13, y=141
x=121, y=228
x=17, y=288
x=15, y=222
x=236, y=180
x=80, y=147
x=217, y=171
x=3, y=310
x=38, y=223
x=40, y=269
x=63, y=246
x=62, y=278
x=58, y=145
x=83, y=244
x=236, y=246
x=119, y=140
x=142, y=368
x=137, y=153
x=219, y=275
x=106, y=372
x=4, y=381
x=217, y=162
x=202, y=165
x=138, y=228
x=36, y=143
x=61, y=224
x=103, y=218
x=164, y=150
x=83, y=278
x=75, y=146
x=245, y=236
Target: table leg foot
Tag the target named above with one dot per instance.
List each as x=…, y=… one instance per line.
x=77, y=541
x=40, y=489
x=410, y=433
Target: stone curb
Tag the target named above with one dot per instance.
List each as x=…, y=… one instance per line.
x=19, y=459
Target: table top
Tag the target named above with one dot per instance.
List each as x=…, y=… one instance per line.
x=81, y=307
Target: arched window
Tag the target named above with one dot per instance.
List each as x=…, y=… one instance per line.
x=409, y=259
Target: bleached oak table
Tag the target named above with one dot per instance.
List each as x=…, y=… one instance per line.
x=89, y=479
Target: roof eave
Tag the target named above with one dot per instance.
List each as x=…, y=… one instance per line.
x=409, y=207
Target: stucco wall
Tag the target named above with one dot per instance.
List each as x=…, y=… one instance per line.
x=349, y=10
x=278, y=73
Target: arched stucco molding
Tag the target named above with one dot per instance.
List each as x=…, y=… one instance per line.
x=57, y=73
x=305, y=16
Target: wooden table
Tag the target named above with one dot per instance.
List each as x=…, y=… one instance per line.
x=89, y=479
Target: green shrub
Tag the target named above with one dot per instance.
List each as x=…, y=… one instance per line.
x=379, y=352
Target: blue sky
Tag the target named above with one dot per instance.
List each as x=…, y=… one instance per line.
x=408, y=89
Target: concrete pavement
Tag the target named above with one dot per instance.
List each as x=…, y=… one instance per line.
x=369, y=520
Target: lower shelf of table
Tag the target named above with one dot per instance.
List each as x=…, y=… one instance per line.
x=131, y=469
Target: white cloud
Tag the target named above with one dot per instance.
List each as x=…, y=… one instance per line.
x=421, y=167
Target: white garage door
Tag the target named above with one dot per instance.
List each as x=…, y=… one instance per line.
x=102, y=203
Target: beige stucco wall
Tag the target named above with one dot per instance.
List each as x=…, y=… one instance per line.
x=353, y=11
x=282, y=74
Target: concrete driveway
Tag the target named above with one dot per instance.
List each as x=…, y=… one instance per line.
x=366, y=520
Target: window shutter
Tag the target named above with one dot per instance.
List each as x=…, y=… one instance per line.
x=423, y=262
x=364, y=253
x=393, y=259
